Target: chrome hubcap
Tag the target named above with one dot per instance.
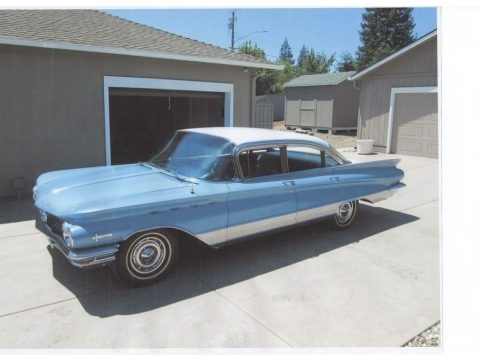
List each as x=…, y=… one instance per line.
x=345, y=212
x=148, y=255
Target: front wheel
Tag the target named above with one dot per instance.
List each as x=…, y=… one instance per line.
x=144, y=258
x=345, y=214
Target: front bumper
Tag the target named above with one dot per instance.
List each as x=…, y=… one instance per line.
x=78, y=258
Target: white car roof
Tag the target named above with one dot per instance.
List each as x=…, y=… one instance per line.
x=243, y=135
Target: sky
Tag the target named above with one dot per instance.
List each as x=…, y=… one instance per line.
x=329, y=30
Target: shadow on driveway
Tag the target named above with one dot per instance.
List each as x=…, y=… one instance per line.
x=201, y=269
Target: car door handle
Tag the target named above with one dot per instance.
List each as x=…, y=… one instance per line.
x=289, y=183
x=335, y=178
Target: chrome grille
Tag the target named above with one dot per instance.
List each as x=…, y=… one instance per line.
x=55, y=224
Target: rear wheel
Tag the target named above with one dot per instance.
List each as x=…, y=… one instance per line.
x=345, y=214
x=146, y=257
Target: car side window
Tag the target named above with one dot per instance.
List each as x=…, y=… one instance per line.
x=329, y=161
x=261, y=162
x=302, y=158
x=306, y=158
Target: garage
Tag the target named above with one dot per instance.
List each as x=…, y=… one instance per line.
x=415, y=125
x=398, y=107
x=83, y=88
x=143, y=120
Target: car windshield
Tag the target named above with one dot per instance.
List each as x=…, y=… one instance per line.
x=198, y=156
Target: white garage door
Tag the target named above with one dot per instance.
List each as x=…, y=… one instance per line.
x=415, y=125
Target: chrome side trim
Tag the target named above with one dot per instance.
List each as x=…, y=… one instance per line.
x=218, y=236
x=239, y=231
x=213, y=237
x=316, y=213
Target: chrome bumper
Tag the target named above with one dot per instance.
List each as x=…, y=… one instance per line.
x=384, y=195
x=78, y=258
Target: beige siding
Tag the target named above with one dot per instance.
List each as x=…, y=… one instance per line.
x=417, y=68
x=51, y=103
x=309, y=106
x=345, y=105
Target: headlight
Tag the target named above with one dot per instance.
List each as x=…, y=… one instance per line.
x=43, y=216
x=67, y=234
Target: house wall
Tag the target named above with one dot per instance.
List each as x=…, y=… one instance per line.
x=345, y=105
x=303, y=102
x=52, y=106
x=416, y=68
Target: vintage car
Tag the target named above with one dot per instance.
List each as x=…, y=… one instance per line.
x=216, y=184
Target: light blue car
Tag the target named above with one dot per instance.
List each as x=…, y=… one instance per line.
x=216, y=184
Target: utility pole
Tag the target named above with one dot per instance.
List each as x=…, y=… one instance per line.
x=231, y=26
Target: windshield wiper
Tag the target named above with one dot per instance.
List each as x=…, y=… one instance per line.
x=181, y=177
x=170, y=172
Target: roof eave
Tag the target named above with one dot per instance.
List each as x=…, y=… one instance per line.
x=393, y=56
x=132, y=52
x=312, y=85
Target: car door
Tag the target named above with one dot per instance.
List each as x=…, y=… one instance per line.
x=315, y=182
x=264, y=197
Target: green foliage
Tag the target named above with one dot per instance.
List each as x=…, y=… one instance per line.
x=309, y=62
x=272, y=82
x=383, y=32
x=254, y=50
x=286, y=54
x=301, y=56
x=347, y=63
x=316, y=63
x=288, y=73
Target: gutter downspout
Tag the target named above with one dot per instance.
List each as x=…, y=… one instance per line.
x=359, y=128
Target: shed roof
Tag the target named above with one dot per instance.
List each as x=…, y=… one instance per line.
x=395, y=55
x=94, y=31
x=320, y=79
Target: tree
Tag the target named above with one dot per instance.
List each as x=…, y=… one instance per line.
x=254, y=50
x=272, y=81
x=316, y=63
x=347, y=63
x=288, y=73
x=286, y=54
x=301, y=56
x=266, y=82
x=383, y=32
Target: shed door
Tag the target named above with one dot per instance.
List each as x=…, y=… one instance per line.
x=415, y=125
x=307, y=117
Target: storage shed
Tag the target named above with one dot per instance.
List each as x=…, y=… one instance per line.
x=321, y=102
x=83, y=88
x=398, y=100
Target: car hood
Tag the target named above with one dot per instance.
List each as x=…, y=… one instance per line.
x=94, y=189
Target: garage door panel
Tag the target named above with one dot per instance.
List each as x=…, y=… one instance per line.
x=412, y=147
x=415, y=125
x=407, y=131
x=433, y=132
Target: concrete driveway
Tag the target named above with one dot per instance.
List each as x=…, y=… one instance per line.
x=375, y=284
